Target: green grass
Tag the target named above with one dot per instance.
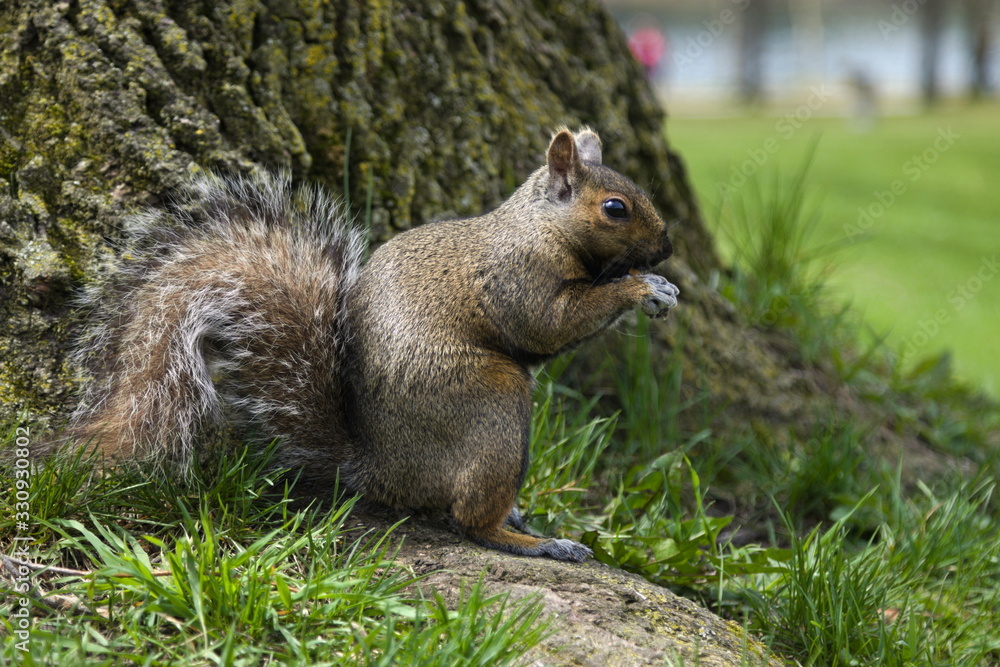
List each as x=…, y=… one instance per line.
x=857, y=569
x=855, y=565
x=224, y=571
x=923, y=591
x=920, y=267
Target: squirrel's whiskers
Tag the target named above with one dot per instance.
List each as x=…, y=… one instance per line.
x=245, y=306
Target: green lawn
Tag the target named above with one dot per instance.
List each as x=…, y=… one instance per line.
x=915, y=203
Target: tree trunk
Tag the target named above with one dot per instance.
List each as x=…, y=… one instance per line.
x=931, y=31
x=601, y=617
x=428, y=109
x=979, y=19
x=753, y=30
x=417, y=110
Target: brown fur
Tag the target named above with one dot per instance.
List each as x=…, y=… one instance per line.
x=411, y=381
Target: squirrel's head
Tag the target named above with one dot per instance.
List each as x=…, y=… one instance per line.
x=612, y=224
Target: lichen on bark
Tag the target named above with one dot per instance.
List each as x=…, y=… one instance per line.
x=428, y=109
x=598, y=616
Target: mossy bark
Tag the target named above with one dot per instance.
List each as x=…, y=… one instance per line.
x=414, y=111
x=598, y=616
x=429, y=109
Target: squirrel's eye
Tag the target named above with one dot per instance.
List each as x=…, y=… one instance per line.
x=615, y=208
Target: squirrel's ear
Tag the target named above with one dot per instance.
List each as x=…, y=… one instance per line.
x=562, y=159
x=588, y=145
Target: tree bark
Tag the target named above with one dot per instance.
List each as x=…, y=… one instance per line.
x=418, y=110
x=931, y=31
x=753, y=29
x=430, y=109
x=414, y=111
x=601, y=617
x=979, y=20
x=427, y=109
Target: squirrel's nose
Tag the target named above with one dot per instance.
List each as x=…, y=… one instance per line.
x=667, y=249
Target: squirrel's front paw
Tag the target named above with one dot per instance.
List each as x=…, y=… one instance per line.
x=663, y=298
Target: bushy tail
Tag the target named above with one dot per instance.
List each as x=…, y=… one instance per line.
x=226, y=309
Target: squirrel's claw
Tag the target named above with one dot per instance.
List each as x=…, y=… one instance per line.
x=562, y=549
x=663, y=297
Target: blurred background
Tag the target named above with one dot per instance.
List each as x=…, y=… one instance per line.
x=882, y=117
x=705, y=55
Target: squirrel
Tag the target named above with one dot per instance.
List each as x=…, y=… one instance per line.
x=406, y=378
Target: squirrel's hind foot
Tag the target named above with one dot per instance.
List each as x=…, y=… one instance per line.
x=562, y=549
x=528, y=545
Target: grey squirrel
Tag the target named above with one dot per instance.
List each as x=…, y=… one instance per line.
x=247, y=305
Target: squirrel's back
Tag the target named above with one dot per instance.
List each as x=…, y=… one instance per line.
x=245, y=305
x=225, y=309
